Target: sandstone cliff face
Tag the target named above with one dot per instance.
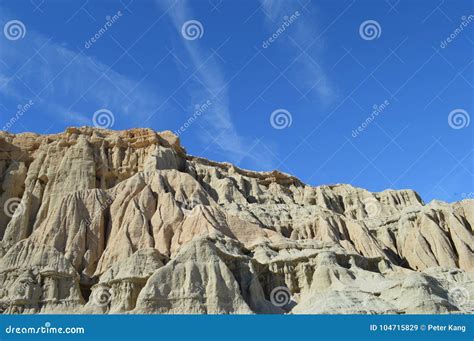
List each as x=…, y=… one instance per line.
x=98, y=221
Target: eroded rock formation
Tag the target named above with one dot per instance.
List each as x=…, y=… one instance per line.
x=99, y=221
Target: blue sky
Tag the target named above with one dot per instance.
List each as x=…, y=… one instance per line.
x=327, y=67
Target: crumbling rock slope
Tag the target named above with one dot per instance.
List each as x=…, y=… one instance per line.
x=100, y=221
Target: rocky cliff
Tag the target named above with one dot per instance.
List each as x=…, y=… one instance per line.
x=100, y=221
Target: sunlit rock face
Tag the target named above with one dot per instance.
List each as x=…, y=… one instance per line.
x=101, y=221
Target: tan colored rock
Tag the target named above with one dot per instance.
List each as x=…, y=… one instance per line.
x=101, y=221
x=205, y=278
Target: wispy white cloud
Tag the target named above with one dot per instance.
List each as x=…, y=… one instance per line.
x=308, y=73
x=69, y=85
x=209, y=83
